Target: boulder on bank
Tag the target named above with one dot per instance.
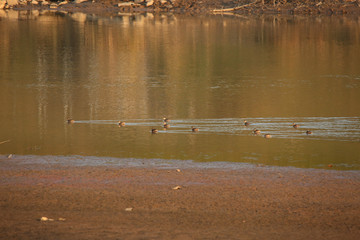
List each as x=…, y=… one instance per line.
x=125, y=4
x=53, y=6
x=2, y=4
x=63, y=3
x=149, y=3
x=12, y=3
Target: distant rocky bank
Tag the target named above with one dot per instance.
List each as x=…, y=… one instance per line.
x=313, y=7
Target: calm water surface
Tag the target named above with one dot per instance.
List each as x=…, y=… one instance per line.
x=212, y=72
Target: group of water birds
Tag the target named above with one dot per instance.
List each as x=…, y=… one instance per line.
x=257, y=132
x=166, y=125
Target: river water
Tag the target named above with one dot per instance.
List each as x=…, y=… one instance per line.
x=210, y=72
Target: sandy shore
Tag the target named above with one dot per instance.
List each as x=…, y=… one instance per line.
x=244, y=203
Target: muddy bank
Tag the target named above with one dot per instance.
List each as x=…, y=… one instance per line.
x=197, y=7
x=101, y=202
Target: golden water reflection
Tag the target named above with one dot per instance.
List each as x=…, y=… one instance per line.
x=55, y=66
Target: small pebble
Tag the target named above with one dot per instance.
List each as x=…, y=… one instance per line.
x=129, y=209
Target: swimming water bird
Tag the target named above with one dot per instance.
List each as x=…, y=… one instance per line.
x=70, y=121
x=194, y=129
x=267, y=136
x=256, y=131
x=166, y=120
x=121, y=124
x=308, y=132
x=295, y=125
x=246, y=123
x=154, y=130
x=166, y=125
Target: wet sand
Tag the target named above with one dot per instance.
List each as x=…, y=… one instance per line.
x=245, y=203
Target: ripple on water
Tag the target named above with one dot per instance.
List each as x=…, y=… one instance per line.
x=323, y=128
